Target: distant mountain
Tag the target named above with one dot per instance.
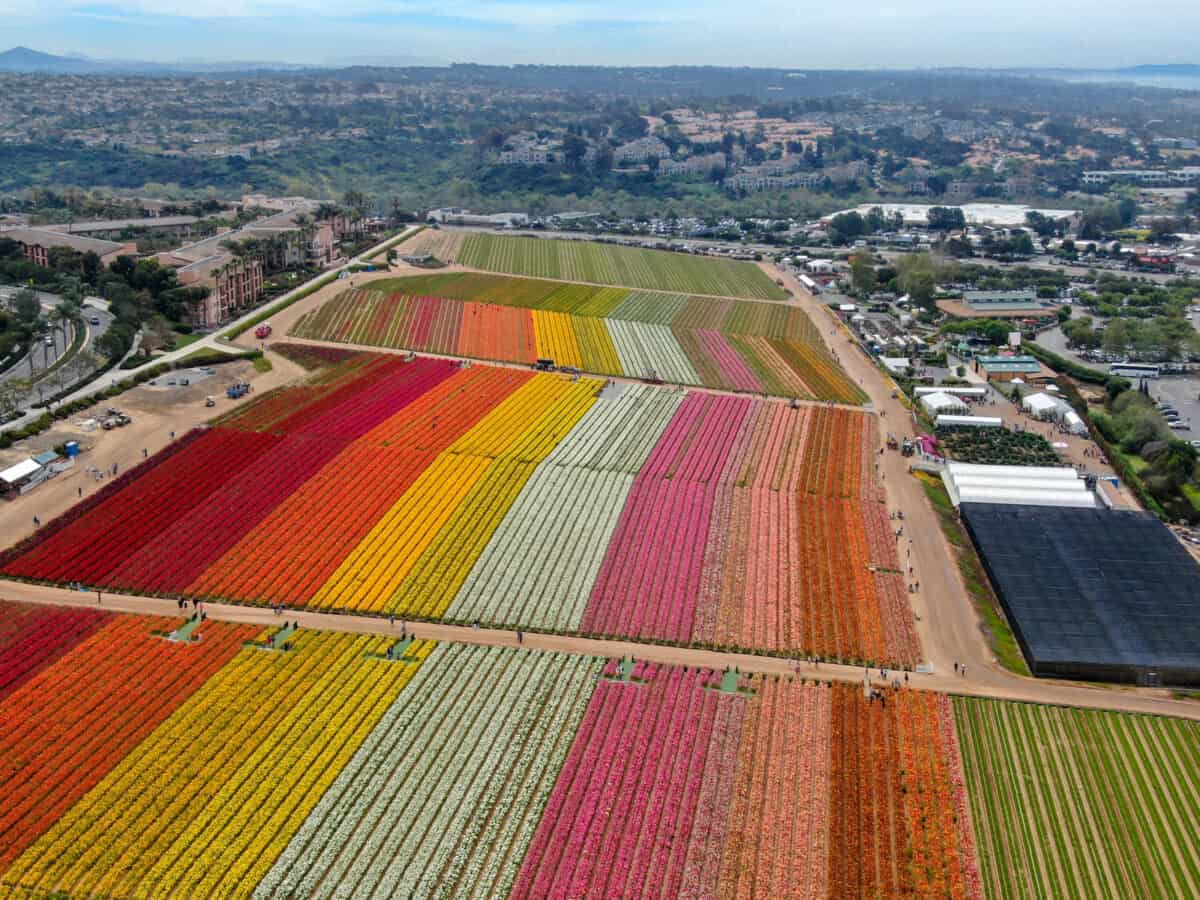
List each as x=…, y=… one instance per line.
x=22, y=59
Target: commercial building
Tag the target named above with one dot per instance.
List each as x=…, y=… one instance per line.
x=1006, y=368
x=1095, y=594
x=36, y=244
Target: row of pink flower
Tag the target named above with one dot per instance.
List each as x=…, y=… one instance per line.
x=620, y=818
x=733, y=367
x=651, y=575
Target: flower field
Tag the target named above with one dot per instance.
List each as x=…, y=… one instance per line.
x=147, y=761
x=755, y=347
x=674, y=788
x=1081, y=803
x=429, y=490
x=594, y=263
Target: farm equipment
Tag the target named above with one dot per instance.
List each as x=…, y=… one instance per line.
x=544, y=365
x=237, y=391
x=262, y=331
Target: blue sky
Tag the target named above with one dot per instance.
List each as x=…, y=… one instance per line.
x=783, y=33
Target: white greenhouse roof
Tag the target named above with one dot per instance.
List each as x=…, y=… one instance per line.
x=951, y=389
x=1024, y=497
x=976, y=421
x=1022, y=485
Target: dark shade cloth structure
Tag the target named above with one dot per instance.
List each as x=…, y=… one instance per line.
x=1093, y=594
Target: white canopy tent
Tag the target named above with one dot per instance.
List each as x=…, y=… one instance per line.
x=942, y=403
x=1075, y=423
x=1042, y=406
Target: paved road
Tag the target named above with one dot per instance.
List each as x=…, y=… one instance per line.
x=1029, y=690
x=209, y=342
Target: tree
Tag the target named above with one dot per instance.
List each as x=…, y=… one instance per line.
x=946, y=218
x=13, y=392
x=862, y=273
x=573, y=149
x=27, y=308
x=1116, y=336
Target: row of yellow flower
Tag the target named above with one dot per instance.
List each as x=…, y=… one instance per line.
x=416, y=557
x=205, y=804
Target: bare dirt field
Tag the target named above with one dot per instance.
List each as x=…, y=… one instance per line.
x=157, y=412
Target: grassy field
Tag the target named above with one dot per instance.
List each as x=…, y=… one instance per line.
x=1080, y=803
x=626, y=266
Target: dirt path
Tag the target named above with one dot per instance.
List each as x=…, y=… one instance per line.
x=621, y=379
x=1144, y=701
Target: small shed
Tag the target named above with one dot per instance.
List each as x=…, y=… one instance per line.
x=1075, y=423
x=16, y=477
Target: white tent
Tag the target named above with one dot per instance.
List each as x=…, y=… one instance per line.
x=1074, y=423
x=942, y=403
x=1042, y=406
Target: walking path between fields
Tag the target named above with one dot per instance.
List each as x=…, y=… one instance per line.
x=621, y=379
x=1138, y=701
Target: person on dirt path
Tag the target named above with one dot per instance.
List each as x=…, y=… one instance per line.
x=520, y=636
x=37, y=523
x=956, y=667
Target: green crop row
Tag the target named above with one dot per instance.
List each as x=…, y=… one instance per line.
x=1081, y=803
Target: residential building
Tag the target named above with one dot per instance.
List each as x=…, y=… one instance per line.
x=233, y=286
x=753, y=180
x=36, y=244
x=529, y=156
x=693, y=166
x=640, y=151
x=1148, y=177
x=961, y=190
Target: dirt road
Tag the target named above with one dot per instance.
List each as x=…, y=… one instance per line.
x=1159, y=702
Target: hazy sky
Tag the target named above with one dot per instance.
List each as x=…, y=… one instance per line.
x=795, y=33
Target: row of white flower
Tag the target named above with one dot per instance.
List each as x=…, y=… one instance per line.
x=446, y=792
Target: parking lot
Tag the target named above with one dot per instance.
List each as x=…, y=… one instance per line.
x=1184, y=395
